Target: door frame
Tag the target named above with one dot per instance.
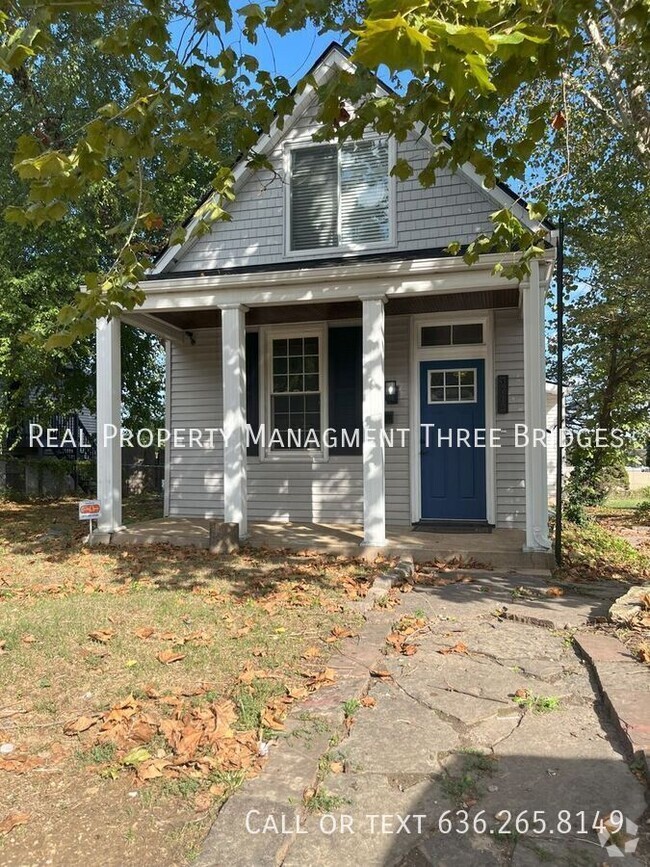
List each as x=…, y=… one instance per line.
x=419, y=353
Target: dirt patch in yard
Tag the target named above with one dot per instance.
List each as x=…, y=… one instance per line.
x=139, y=687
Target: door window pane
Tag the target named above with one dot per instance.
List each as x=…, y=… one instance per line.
x=452, y=386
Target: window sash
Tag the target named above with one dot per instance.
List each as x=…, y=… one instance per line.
x=295, y=393
x=346, y=189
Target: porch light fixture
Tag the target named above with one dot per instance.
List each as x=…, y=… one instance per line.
x=391, y=392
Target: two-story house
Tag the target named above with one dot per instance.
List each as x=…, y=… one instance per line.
x=328, y=304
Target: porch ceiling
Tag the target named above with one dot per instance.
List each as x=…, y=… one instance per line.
x=191, y=320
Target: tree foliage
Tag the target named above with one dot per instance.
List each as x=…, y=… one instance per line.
x=42, y=266
x=464, y=61
x=552, y=96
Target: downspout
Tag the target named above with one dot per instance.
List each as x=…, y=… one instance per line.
x=560, y=392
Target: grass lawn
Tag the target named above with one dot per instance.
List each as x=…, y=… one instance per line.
x=629, y=500
x=136, y=684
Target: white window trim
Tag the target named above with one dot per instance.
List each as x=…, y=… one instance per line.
x=388, y=244
x=267, y=335
x=449, y=353
x=452, y=370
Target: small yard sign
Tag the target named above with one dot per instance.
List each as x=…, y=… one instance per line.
x=89, y=510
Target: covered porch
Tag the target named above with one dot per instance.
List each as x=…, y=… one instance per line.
x=206, y=320
x=501, y=549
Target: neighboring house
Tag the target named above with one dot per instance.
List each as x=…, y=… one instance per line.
x=72, y=437
x=329, y=301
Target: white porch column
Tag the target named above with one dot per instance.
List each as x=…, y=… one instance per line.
x=535, y=412
x=109, y=405
x=374, y=498
x=233, y=349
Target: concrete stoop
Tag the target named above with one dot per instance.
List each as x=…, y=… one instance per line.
x=498, y=550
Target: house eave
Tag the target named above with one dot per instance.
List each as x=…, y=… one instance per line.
x=396, y=272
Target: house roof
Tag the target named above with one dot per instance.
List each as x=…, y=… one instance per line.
x=335, y=55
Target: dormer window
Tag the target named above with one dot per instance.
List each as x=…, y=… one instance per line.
x=339, y=196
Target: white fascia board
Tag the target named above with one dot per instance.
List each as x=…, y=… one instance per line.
x=266, y=143
x=339, y=283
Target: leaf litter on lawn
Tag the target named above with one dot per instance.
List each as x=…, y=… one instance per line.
x=91, y=708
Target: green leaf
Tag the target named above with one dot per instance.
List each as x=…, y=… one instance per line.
x=177, y=236
x=136, y=756
x=393, y=42
x=402, y=169
x=537, y=211
x=468, y=39
x=478, y=68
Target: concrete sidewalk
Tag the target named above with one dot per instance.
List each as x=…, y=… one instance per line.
x=439, y=764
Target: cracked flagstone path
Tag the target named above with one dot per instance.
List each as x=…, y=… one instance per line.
x=436, y=770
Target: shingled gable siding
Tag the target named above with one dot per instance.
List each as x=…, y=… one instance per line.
x=278, y=490
x=510, y=461
x=453, y=209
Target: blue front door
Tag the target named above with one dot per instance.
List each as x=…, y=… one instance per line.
x=452, y=404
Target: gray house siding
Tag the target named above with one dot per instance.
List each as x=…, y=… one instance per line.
x=327, y=491
x=305, y=490
x=454, y=209
x=510, y=461
x=196, y=474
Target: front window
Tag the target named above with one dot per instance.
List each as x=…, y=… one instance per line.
x=339, y=195
x=295, y=392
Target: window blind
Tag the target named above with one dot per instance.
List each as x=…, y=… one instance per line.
x=314, y=197
x=339, y=195
x=364, y=192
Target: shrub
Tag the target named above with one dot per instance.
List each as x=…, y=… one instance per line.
x=576, y=513
x=642, y=513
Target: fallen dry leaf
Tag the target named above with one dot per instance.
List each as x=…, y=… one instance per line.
x=13, y=820
x=342, y=632
x=27, y=639
x=368, y=701
x=336, y=767
x=144, y=632
x=555, y=591
x=20, y=763
x=168, y=656
x=312, y=652
x=643, y=653
x=271, y=719
x=81, y=724
x=459, y=647
x=379, y=672
x=202, y=802
x=102, y=635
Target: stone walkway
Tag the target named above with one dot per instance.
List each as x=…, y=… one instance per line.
x=438, y=761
